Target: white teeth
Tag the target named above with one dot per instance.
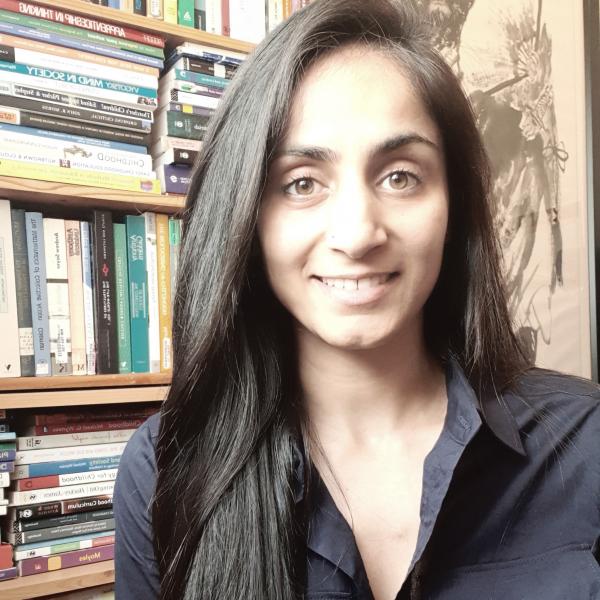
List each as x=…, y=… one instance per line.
x=356, y=284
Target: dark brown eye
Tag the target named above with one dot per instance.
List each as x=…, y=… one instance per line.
x=303, y=187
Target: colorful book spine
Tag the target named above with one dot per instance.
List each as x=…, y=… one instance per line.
x=139, y=7
x=178, y=156
x=52, y=533
x=174, y=179
x=155, y=9
x=10, y=360
x=7, y=466
x=104, y=289
x=9, y=573
x=74, y=20
x=64, y=507
x=66, y=467
x=72, y=519
x=170, y=11
x=181, y=125
x=192, y=98
x=88, y=298
x=185, y=13
x=175, y=244
x=165, y=143
x=152, y=279
x=57, y=284
x=164, y=291
x=39, y=293
x=60, y=493
x=91, y=540
x=47, y=481
x=8, y=455
x=23, y=292
x=76, y=310
x=32, y=566
x=138, y=293
x=30, y=457
x=98, y=414
x=200, y=15
x=194, y=69
x=122, y=295
x=74, y=439
x=81, y=427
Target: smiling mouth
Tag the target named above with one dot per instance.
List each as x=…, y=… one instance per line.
x=362, y=283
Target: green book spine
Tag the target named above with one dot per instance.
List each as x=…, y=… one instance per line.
x=121, y=278
x=80, y=33
x=185, y=12
x=191, y=127
x=8, y=445
x=138, y=293
x=174, y=243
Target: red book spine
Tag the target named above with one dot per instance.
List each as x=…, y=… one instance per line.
x=79, y=417
x=84, y=427
x=6, y=556
x=42, y=564
x=105, y=540
x=37, y=483
x=74, y=20
x=225, y=23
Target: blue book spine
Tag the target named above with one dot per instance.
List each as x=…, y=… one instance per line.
x=67, y=42
x=7, y=466
x=75, y=139
x=69, y=466
x=114, y=4
x=39, y=294
x=201, y=78
x=78, y=79
x=7, y=455
x=7, y=435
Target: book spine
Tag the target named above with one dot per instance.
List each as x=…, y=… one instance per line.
x=164, y=291
x=64, y=507
x=170, y=11
x=29, y=457
x=43, y=535
x=39, y=293
x=181, y=125
x=20, y=74
x=185, y=13
x=190, y=98
x=275, y=13
x=138, y=293
x=7, y=466
x=88, y=298
x=65, y=467
x=104, y=289
x=152, y=279
x=190, y=87
x=74, y=439
x=248, y=20
x=78, y=354
x=9, y=573
x=98, y=415
x=60, y=493
x=139, y=7
x=72, y=113
x=194, y=69
x=4, y=479
x=23, y=293
x=7, y=455
x=165, y=143
x=47, y=481
x=10, y=360
x=188, y=109
x=13, y=168
x=177, y=156
x=216, y=55
x=32, y=566
x=75, y=20
x=57, y=284
x=155, y=9
x=174, y=179
x=200, y=15
x=122, y=294
x=73, y=519
x=174, y=243
x=65, y=545
x=214, y=17
x=225, y=19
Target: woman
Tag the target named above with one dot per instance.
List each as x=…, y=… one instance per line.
x=350, y=414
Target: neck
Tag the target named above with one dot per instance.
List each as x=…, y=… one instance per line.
x=363, y=397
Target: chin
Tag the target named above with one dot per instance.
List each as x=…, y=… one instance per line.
x=354, y=340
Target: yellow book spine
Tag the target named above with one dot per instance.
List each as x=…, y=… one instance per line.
x=170, y=11
x=164, y=291
x=15, y=168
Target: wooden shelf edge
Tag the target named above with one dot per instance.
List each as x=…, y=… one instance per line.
x=176, y=34
x=81, y=397
x=20, y=384
x=56, y=582
x=49, y=192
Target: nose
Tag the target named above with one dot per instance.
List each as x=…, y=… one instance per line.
x=355, y=224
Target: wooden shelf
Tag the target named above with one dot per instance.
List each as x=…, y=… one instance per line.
x=66, y=194
x=175, y=34
x=80, y=397
x=56, y=582
x=19, y=384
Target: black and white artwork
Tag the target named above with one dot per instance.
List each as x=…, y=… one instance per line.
x=521, y=63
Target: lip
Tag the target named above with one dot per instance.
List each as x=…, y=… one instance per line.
x=359, y=297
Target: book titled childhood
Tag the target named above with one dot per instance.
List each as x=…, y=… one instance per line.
x=104, y=292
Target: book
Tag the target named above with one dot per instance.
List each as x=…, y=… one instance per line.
x=165, y=143
x=175, y=243
x=180, y=125
x=104, y=292
x=217, y=55
x=174, y=179
x=85, y=414
x=10, y=360
x=61, y=520
x=75, y=277
x=9, y=573
x=138, y=293
x=175, y=156
x=122, y=298
x=74, y=20
x=170, y=11
x=101, y=463
x=7, y=466
x=88, y=298
x=68, y=544
x=23, y=292
x=164, y=291
x=5, y=556
x=195, y=99
x=7, y=455
x=47, y=481
x=274, y=13
x=247, y=20
x=140, y=7
x=28, y=170
x=195, y=70
x=63, y=507
x=155, y=9
x=39, y=295
x=32, y=566
x=74, y=439
x=185, y=13
x=62, y=531
x=57, y=284
x=152, y=282
x=60, y=493
x=214, y=17
x=29, y=457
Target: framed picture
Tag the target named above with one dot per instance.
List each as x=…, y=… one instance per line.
x=522, y=63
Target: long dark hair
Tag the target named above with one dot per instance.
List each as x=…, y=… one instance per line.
x=224, y=518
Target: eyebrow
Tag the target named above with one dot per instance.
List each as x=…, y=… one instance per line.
x=321, y=154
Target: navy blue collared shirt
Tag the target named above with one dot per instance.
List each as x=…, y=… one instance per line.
x=510, y=505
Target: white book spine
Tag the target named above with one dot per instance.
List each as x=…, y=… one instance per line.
x=247, y=19
x=57, y=284
x=184, y=98
x=60, y=493
x=74, y=439
x=87, y=477
x=88, y=298
x=166, y=143
x=274, y=13
x=10, y=359
x=72, y=65
x=4, y=479
x=152, y=278
x=214, y=20
x=30, y=457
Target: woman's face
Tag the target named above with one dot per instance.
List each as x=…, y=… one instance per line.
x=355, y=211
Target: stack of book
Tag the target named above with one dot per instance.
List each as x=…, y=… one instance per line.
x=60, y=504
x=77, y=98
x=189, y=92
x=86, y=297
x=7, y=465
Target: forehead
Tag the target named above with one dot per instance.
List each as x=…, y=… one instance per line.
x=355, y=93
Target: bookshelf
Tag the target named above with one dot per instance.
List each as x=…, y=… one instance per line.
x=38, y=392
